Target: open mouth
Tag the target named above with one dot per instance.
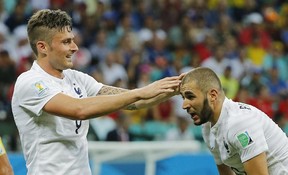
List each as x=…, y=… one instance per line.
x=194, y=116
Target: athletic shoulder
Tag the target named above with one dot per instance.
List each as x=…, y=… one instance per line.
x=239, y=111
x=28, y=77
x=242, y=118
x=71, y=73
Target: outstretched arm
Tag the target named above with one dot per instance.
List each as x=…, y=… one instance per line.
x=111, y=90
x=85, y=108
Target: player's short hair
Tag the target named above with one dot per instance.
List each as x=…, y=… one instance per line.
x=44, y=24
x=204, y=78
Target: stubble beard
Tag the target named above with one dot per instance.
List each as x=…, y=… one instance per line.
x=205, y=114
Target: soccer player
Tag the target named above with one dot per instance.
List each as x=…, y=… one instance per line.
x=51, y=102
x=5, y=166
x=242, y=139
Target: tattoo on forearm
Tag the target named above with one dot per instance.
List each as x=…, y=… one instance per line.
x=109, y=90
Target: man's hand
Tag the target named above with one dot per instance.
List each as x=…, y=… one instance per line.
x=165, y=85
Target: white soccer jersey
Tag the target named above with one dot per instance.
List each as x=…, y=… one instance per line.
x=243, y=132
x=52, y=145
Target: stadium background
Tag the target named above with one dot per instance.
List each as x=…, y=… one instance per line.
x=130, y=43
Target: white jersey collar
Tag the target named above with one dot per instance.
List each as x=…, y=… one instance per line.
x=36, y=67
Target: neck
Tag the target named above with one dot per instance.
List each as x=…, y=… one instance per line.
x=50, y=70
x=217, y=109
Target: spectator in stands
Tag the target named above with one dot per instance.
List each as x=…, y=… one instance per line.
x=255, y=27
x=231, y=44
x=254, y=81
x=18, y=17
x=121, y=133
x=3, y=13
x=275, y=58
x=181, y=131
x=135, y=69
x=217, y=62
x=7, y=79
x=99, y=48
x=229, y=83
x=255, y=52
x=113, y=69
x=163, y=112
x=276, y=86
x=7, y=68
x=110, y=21
x=205, y=48
x=22, y=49
x=128, y=46
x=282, y=110
x=264, y=101
x=243, y=95
x=241, y=64
x=5, y=42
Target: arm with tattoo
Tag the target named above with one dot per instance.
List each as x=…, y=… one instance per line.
x=110, y=90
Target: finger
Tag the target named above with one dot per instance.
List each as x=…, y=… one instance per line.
x=169, y=90
x=170, y=78
x=170, y=85
x=181, y=76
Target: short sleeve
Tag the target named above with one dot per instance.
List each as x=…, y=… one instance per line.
x=33, y=94
x=92, y=86
x=247, y=136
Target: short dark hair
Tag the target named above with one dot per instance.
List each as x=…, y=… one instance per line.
x=205, y=79
x=44, y=23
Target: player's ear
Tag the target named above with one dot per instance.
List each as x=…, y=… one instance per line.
x=41, y=47
x=213, y=95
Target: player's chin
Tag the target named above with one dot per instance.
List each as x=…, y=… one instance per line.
x=68, y=64
x=197, y=122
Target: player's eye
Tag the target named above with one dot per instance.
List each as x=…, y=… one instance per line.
x=67, y=41
x=189, y=97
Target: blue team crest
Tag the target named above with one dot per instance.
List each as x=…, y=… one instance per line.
x=40, y=87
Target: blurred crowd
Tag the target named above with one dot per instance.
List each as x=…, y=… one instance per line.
x=131, y=43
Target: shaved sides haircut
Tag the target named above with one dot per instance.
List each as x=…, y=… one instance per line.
x=204, y=78
x=44, y=24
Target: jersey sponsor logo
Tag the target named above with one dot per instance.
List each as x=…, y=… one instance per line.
x=40, y=87
x=244, y=139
